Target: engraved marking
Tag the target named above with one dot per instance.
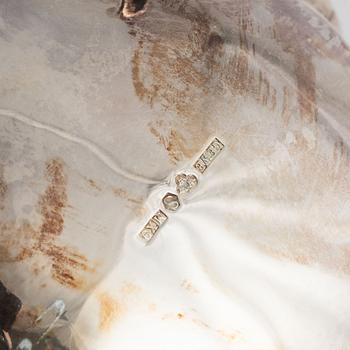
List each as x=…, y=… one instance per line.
x=171, y=202
x=152, y=226
x=208, y=156
x=185, y=183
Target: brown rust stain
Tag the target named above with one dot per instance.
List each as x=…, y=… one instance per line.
x=53, y=201
x=180, y=315
x=187, y=285
x=152, y=307
x=242, y=76
x=22, y=241
x=65, y=264
x=112, y=308
x=136, y=61
x=287, y=33
x=93, y=184
x=293, y=22
x=133, y=201
x=65, y=261
x=200, y=323
x=194, y=69
x=306, y=87
x=119, y=192
x=325, y=8
x=307, y=248
x=136, y=203
x=286, y=112
x=176, y=75
x=179, y=73
x=16, y=241
x=36, y=269
x=315, y=200
x=173, y=142
x=304, y=40
x=244, y=79
x=228, y=336
x=129, y=288
x=181, y=82
x=27, y=316
x=3, y=187
x=158, y=78
x=109, y=311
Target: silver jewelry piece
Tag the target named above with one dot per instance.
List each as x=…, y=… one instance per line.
x=153, y=225
x=208, y=156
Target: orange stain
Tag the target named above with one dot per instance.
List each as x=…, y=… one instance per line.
x=109, y=311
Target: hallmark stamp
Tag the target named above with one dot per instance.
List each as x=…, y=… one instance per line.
x=171, y=202
x=185, y=183
x=152, y=226
x=208, y=156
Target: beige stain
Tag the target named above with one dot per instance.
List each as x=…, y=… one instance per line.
x=189, y=287
x=228, y=336
x=129, y=288
x=109, y=311
x=152, y=307
x=129, y=295
x=111, y=308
